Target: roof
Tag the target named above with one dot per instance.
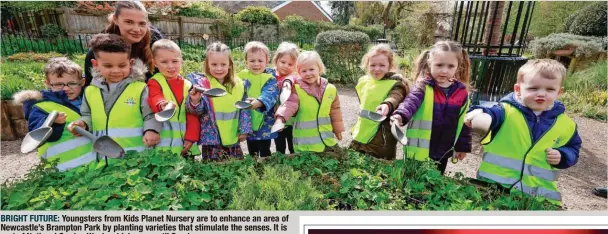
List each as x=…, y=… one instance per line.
x=315, y=3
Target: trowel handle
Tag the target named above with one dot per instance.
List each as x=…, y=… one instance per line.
x=50, y=119
x=85, y=133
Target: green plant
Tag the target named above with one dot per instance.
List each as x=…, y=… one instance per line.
x=585, y=46
x=20, y=75
x=341, y=52
x=14, y=44
x=257, y=15
x=227, y=28
x=202, y=10
x=589, y=21
x=585, y=91
x=52, y=31
x=32, y=57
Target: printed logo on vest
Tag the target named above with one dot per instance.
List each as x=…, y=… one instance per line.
x=130, y=101
x=330, y=97
x=556, y=142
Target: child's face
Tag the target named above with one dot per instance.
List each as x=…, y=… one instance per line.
x=256, y=62
x=537, y=92
x=285, y=65
x=219, y=64
x=443, y=66
x=378, y=66
x=114, y=67
x=70, y=83
x=168, y=62
x=309, y=72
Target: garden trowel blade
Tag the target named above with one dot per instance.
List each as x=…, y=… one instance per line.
x=285, y=93
x=376, y=117
x=215, y=92
x=35, y=138
x=242, y=105
x=278, y=125
x=106, y=146
x=166, y=114
x=398, y=134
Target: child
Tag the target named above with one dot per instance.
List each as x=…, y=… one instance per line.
x=436, y=106
x=166, y=87
x=222, y=126
x=318, y=117
x=531, y=138
x=64, y=80
x=116, y=102
x=381, y=90
x=263, y=93
x=284, y=61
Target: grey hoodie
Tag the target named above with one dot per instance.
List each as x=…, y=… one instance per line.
x=111, y=92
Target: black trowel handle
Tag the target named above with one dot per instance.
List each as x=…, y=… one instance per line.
x=50, y=119
x=85, y=133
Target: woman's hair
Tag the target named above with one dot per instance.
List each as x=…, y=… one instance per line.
x=218, y=47
x=111, y=43
x=141, y=49
x=166, y=44
x=255, y=46
x=383, y=49
x=311, y=56
x=286, y=48
x=422, y=66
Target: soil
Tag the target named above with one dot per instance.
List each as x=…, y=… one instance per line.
x=575, y=183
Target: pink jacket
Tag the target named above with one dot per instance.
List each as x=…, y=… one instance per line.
x=290, y=107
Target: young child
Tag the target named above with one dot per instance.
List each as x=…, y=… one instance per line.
x=263, y=93
x=222, y=125
x=64, y=82
x=436, y=107
x=318, y=117
x=166, y=87
x=284, y=61
x=530, y=137
x=381, y=91
x=116, y=102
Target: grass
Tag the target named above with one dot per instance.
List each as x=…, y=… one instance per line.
x=586, y=91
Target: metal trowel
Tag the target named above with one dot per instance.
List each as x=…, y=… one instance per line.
x=397, y=133
x=213, y=92
x=103, y=145
x=167, y=113
x=285, y=92
x=375, y=116
x=242, y=105
x=278, y=126
x=38, y=137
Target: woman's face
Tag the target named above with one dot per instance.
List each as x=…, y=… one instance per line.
x=133, y=25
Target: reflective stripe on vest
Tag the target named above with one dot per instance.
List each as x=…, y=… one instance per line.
x=257, y=81
x=514, y=161
x=312, y=129
x=124, y=122
x=371, y=94
x=420, y=126
x=70, y=151
x=172, y=134
x=226, y=115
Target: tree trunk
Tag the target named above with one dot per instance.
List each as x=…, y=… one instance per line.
x=492, y=34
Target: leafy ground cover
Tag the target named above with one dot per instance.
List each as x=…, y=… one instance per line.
x=350, y=181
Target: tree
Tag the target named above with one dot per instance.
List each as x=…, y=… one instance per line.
x=342, y=11
x=367, y=13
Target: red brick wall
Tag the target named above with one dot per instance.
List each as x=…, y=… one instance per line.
x=305, y=9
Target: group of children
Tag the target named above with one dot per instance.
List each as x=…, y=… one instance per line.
x=529, y=137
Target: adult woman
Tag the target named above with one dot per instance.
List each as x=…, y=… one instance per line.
x=130, y=21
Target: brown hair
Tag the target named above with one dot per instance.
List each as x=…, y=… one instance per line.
x=545, y=68
x=141, y=49
x=255, y=46
x=383, y=49
x=218, y=47
x=286, y=48
x=464, y=64
x=60, y=66
x=111, y=43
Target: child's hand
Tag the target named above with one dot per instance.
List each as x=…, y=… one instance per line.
x=338, y=135
x=151, y=138
x=471, y=115
x=242, y=137
x=78, y=123
x=460, y=155
x=398, y=119
x=195, y=97
x=553, y=156
x=162, y=105
x=61, y=117
x=187, y=146
x=255, y=104
x=382, y=109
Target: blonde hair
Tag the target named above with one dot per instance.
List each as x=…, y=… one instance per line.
x=546, y=68
x=166, y=44
x=310, y=55
x=255, y=46
x=464, y=64
x=286, y=48
x=218, y=47
x=60, y=66
x=380, y=49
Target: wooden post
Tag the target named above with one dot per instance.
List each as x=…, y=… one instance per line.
x=62, y=14
x=180, y=22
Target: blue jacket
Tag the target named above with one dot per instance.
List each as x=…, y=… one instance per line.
x=269, y=97
x=537, y=125
x=36, y=116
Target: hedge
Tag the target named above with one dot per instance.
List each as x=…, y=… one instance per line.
x=341, y=52
x=589, y=21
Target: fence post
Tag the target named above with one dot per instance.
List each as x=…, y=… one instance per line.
x=80, y=43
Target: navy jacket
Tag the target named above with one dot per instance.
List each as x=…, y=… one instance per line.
x=36, y=116
x=537, y=125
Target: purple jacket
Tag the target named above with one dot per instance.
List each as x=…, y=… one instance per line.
x=446, y=111
x=537, y=125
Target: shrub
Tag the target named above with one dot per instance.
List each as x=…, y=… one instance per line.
x=257, y=15
x=202, y=10
x=227, y=28
x=32, y=57
x=373, y=31
x=341, y=52
x=20, y=75
x=14, y=44
x=296, y=28
x=589, y=21
x=52, y=31
x=585, y=46
x=585, y=91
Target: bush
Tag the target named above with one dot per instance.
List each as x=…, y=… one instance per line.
x=257, y=15
x=52, y=31
x=14, y=44
x=585, y=46
x=341, y=52
x=296, y=28
x=585, y=91
x=373, y=31
x=32, y=57
x=20, y=75
x=589, y=21
x=202, y=10
x=227, y=28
